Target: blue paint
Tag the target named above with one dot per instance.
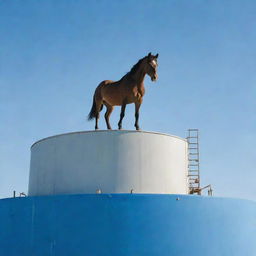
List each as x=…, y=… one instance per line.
x=127, y=225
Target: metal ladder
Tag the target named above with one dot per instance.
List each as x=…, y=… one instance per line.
x=193, y=162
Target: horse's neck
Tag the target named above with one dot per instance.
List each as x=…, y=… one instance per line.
x=139, y=77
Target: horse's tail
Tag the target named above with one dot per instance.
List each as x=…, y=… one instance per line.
x=93, y=112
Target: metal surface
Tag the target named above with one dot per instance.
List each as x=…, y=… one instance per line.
x=127, y=225
x=110, y=162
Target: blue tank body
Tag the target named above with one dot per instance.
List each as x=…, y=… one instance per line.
x=127, y=225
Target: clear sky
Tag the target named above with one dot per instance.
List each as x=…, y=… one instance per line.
x=54, y=53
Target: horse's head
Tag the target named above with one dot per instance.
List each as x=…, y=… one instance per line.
x=151, y=66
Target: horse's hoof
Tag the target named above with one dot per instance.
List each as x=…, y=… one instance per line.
x=137, y=128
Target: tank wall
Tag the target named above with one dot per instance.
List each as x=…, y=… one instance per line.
x=112, y=161
x=127, y=225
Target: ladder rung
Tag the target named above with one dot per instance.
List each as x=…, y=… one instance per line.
x=196, y=190
x=193, y=165
x=193, y=175
x=192, y=137
x=192, y=148
x=193, y=153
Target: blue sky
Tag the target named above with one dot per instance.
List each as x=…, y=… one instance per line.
x=54, y=53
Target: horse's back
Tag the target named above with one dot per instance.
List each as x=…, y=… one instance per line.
x=99, y=89
x=106, y=82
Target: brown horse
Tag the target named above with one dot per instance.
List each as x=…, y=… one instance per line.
x=129, y=89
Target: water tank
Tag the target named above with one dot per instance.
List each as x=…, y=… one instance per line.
x=110, y=162
x=143, y=208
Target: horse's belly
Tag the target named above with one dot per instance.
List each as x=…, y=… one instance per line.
x=130, y=100
x=113, y=100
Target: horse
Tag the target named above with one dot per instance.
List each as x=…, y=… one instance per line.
x=129, y=89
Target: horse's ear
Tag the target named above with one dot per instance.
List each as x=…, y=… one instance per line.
x=149, y=55
x=156, y=56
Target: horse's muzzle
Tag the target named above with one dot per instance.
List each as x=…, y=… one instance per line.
x=154, y=78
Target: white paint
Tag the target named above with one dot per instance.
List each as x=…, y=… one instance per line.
x=110, y=161
x=154, y=63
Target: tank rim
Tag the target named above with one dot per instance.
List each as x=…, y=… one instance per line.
x=106, y=131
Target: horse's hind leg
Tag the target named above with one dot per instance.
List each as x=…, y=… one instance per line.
x=99, y=107
x=121, y=116
x=107, y=114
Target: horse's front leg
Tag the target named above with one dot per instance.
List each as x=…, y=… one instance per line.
x=121, y=116
x=137, y=109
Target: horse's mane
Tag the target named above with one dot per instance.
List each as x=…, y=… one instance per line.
x=134, y=69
